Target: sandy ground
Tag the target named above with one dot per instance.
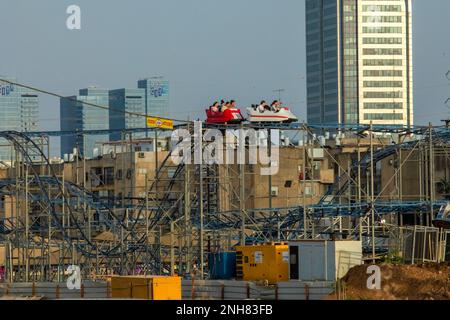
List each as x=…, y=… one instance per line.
x=400, y=282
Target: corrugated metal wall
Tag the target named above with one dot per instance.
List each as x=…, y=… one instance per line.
x=197, y=290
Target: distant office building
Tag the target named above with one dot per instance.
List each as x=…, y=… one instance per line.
x=359, y=62
x=19, y=111
x=124, y=104
x=76, y=115
x=156, y=96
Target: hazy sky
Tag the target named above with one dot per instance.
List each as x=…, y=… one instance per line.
x=208, y=49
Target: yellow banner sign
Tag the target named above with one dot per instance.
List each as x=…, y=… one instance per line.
x=159, y=123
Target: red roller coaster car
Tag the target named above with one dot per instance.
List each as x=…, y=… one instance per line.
x=230, y=116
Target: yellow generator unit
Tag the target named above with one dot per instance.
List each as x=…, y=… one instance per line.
x=263, y=262
x=146, y=287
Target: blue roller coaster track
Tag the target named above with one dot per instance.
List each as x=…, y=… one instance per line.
x=266, y=220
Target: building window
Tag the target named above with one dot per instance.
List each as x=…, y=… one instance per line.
x=383, y=116
x=386, y=19
x=382, y=52
x=382, y=29
x=96, y=177
x=109, y=175
x=95, y=196
x=383, y=62
x=382, y=8
x=383, y=95
x=382, y=41
x=129, y=173
x=2, y=203
x=383, y=73
x=383, y=84
x=379, y=105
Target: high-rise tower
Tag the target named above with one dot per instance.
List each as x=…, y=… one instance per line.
x=19, y=111
x=359, y=62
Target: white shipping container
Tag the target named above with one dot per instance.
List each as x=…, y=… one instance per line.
x=323, y=260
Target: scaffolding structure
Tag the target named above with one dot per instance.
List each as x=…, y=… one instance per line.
x=57, y=223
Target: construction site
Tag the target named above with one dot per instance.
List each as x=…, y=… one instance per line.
x=342, y=197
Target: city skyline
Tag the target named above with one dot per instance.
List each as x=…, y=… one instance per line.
x=252, y=151
x=118, y=109
x=76, y=115
x=203, y=63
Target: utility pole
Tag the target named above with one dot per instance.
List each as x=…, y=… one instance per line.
x=447, y=102
x=372, y=192
x=305, y=155
x=132, y=169
x=269, y=148
x=156, y=160
x=187, y=212
x=431, y=168
x=187, y=216
x=202, y=245
x=172, y=249
x=146, y=206
x=124, y=175
x=359, y=171
x=400, y=177
x=84, y=186
x=242, y=184
x=27, y=228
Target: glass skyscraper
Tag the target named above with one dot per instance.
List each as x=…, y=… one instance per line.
x=359, y=62
x=76, y=115
x=156, y=96
x=122, y=101
x=19, y=111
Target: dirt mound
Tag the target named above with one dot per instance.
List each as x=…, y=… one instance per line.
x=401, y=282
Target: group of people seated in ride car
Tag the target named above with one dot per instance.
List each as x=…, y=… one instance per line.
x=222, y=106
x=263, y=106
